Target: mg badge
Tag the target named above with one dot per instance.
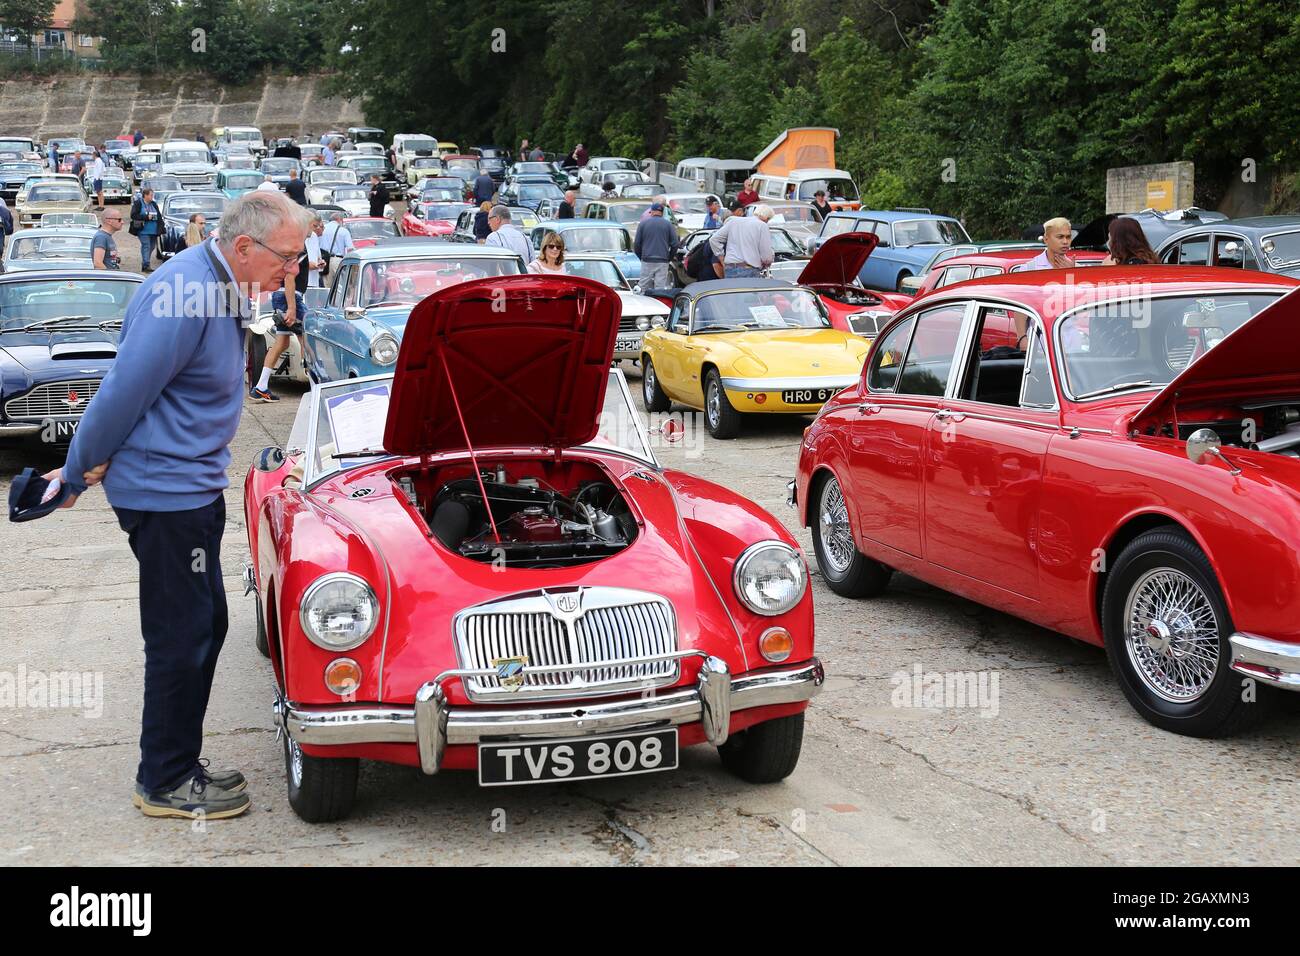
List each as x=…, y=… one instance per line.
x=510, y=671
x=568, y=602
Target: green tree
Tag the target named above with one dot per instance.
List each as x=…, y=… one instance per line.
x=27, y=17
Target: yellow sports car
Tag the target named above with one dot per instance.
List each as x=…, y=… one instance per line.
x=43, y=197
x=735, y=346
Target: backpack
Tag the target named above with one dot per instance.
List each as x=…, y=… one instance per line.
x=698, y=260
x=137, y=210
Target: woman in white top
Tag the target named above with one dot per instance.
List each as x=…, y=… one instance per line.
x=551, y=259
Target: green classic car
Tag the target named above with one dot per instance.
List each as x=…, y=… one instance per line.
x=235, y=182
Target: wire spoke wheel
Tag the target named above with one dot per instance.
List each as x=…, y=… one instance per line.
x=1172, y=635
x=833, y=527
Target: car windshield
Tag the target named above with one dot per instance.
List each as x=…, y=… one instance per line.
x=413, y=145
x=186, y=204
x=1282, y=248
x=17, y=145
x=49, y=247
x=325, y=176
x=637, y=190
x=540, y=191
x=612, y=164
x=1143, y=342
x=601, y=270
x=541, y=169
x=55, y=194
x=783, y=245
x=690, y=206
x=165, y=184
x=349, y=192
x=27, y=168
x=750, y=309
x=837, y=190
x=622, y=177
x=628, y=211
x=448, y=193
x=797, y=213
x=69, y=219
x=372, y=229
x=185, y=156
x=249, y=181
x=597, y=240
x=367, y=163
x=524, y=217
x=145, y=157
x=240, y=162
x=427, y=162
x=279, y=165
x=406, y=282
x=244, y=135
x=103, y=300
x=430, y=183
x=926, y=232
x=443, y=210
x=621, y=428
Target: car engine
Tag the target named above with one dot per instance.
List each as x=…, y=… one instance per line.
x=539, y=527
x=1267, y=426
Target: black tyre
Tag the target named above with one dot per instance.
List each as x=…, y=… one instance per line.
x=321, y=789
x=847, y=571
x=720, y=418
x=1167, y=627
x=651, y=391
x=766, y=752
x=262, y=641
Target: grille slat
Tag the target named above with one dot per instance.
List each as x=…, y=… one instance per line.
x=50, y=400
x=617, y=624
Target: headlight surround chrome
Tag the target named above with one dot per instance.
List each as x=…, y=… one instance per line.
x=339, y=611
x=383, y=349
x=643, y=323
x=770, y=578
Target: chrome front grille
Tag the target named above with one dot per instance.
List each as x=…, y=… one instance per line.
x=627, y=323
x=868, y=324
x=585, y=627
x=53, y=400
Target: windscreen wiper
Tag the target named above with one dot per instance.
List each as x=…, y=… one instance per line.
x=1115, y=388
x=49, y=323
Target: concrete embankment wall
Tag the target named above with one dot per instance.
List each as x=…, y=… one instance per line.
x=99, y=107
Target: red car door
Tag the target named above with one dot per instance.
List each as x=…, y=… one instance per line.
x=984, y=468
x=887, y=438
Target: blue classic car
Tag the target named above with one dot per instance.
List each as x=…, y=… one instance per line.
x=355, y=328
x=907, y=241
x=12, y=177
x=593, y=237
x=235, y=182
x=1263, y=243
x=58, y=338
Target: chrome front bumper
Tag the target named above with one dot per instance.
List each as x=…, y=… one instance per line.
x=432, y=724
x=1274, y=662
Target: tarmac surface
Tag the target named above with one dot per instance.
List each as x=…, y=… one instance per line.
x=1058, y=769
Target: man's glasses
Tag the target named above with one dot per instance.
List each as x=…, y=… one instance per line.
x=285, y=261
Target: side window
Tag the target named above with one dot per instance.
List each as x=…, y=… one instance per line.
x=1170, y=255
x=350, y=296
x=982, y=272
x=1194, y=252
x=835, y=225
x=1037, y=391
x=996, y=369
x=336, y=290
x=930, y=358
x=953, y=274
x=883, y=233
x=888, y=357
x=1233, y=253
x=676, y=322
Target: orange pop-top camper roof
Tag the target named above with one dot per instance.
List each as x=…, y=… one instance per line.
x=802, y=147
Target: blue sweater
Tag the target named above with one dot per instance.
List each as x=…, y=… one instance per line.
x=170, y=405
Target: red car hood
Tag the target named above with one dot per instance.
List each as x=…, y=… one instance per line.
x=1262, y=357
x=521, y=360
x=839, y=259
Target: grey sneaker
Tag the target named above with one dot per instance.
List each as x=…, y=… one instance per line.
x=193, y=798
x=231, y=781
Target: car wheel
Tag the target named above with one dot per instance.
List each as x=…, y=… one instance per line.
x=655, y=399
x=720, y=418
x=1166, y=627
x=321, y=789
x=847, y=571
x=262, y=641
x=766, y=752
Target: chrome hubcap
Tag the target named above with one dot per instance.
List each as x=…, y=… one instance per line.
x=1172, y=635
x=836, y=537
x=295, y=762
x=714, y=404
x=649, y=381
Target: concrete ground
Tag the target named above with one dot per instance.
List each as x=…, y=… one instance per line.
x=1062, y=771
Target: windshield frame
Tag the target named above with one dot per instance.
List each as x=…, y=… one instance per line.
x=937, y=219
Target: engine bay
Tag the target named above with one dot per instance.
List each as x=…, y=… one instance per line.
x=546, y=514
x=1260, y=426
x=848, y=294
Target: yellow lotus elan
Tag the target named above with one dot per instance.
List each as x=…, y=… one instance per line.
x=736, y=346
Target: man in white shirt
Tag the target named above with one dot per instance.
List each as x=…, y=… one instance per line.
x=97, y=180
x=314, y=261
x=506, y=235
x=268, y=185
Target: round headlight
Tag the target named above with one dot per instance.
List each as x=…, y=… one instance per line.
x=339, y=611
x=384, y=349
x=643, y=322
x=769, y=578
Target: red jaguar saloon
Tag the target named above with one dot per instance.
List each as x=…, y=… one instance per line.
x=1127, y=473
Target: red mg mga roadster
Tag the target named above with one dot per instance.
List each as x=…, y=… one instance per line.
x=477, y=563
x=1127, y=474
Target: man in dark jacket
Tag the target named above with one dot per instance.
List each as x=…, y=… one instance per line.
x=378, y=196
x=655, y=243
x=296, y=190
x=484, y=187
x=569, y=208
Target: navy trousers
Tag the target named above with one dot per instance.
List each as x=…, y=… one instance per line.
x=183, y=620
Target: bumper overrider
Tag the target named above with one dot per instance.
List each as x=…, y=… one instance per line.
x=432, y=723
x=1274, y=662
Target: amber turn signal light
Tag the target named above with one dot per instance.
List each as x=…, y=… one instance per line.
x=776, y=644
x=343, y=676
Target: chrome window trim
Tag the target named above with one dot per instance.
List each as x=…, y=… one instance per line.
x=963, y=336
x=1041, y=340
x=1059, y=356
x=871, y=356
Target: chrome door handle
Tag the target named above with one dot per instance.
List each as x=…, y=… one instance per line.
x=944, y=415
x=868, y=409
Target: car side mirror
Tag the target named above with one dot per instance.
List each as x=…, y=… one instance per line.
x=671, y=430
x=270, y=458
x=1205, y=443
x=911, y=285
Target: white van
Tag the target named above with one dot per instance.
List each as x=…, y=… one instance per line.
x=800, y=185
x=249, y=136
x=409, y=146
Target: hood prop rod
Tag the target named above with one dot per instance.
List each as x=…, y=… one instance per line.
x=478, y=475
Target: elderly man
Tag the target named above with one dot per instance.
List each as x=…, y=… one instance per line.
x=1057, y=238
x=713, y=215
x=268, y=185
x=157, y=434
x=655, y=243
x=506, y=235
x=569, y=208
x=743, y=246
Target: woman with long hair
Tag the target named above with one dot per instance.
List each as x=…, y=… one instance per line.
x=1128, y=244
x=481, y=228
x=550, y=261
x=194, y=231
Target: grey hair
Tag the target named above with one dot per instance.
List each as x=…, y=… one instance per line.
x=258, y=214
x=501, y=212
x=763, y=211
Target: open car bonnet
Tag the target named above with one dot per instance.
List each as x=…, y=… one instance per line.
x=839, y=259
x=521, y=360
x=1260, y=358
